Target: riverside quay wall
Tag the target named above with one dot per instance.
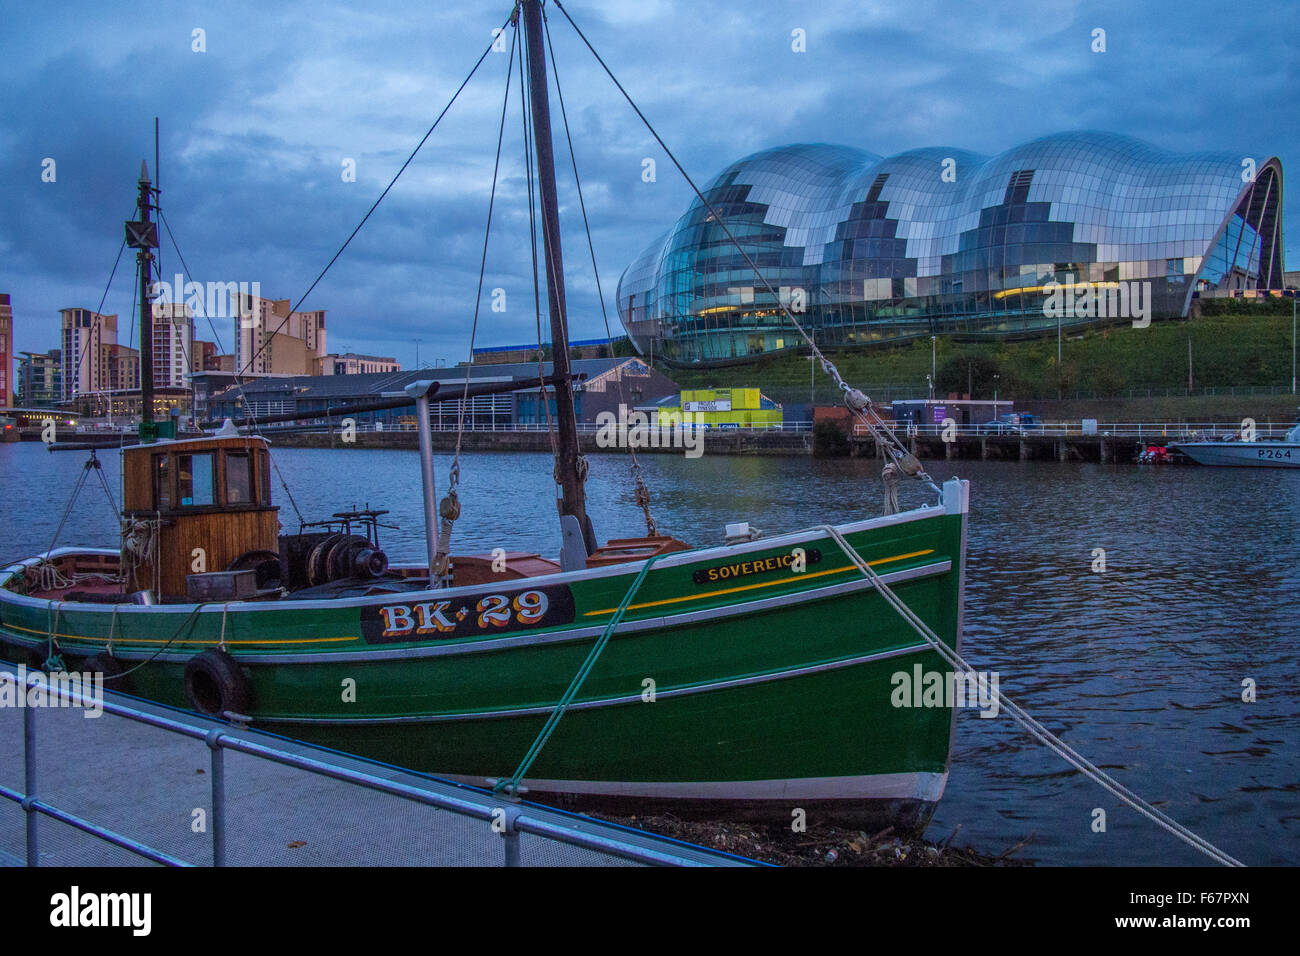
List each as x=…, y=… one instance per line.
x=1076, y=448
x=719, y=442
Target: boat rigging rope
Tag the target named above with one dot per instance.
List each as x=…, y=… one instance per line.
x=375, y=205
x=53, y=653
x=858, y=403
x=102, y=299
x=409, y=159
x=189, y=618
x=45, y=575
x=510, y=785
x=641, y=490
x=891, y=476
x=537, y=288
x=449, y=507
x=216, y=336
x=1035, y=729
x=139, y=545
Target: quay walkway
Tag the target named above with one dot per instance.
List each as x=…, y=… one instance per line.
x=170, y=787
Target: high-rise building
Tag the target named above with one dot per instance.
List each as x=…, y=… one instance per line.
x=124, y=369
x=205, y=356
x=271, y=340
x=39, y=377
x=6, y=351
x=173, y=344
x=84, y=356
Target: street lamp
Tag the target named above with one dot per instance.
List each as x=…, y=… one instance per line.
x=1060, y=387
x=933, y=373
x=996, y=376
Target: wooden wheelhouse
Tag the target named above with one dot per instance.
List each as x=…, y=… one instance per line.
x=209, y=500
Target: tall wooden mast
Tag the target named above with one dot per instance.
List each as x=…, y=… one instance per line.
x=146, y=307
x=568, y=472
x=142, y=235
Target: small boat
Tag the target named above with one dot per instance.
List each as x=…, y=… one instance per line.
x=1234, y=452
x=757, y=677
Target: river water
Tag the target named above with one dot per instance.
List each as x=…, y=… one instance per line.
x=1140, y=668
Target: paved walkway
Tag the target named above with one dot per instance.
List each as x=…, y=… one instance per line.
x=155, y=787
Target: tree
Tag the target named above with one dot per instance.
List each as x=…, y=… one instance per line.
x=830, y=440
x=975, y=372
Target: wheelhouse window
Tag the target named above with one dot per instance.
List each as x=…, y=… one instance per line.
x=264, y=470
x=162, y=482
x=194, y=479
x=239, y=478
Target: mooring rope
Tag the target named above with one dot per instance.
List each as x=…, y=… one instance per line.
x=189, y=619
x=449, y=508
x=1035, y=729
x=640, y=490
x=854, y=398
x=511, y=783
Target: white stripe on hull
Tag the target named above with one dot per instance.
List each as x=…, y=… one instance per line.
x=925, y=787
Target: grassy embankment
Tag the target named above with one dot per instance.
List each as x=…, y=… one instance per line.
x=1103, y=373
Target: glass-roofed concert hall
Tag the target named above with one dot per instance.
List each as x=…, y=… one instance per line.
x=867, y=249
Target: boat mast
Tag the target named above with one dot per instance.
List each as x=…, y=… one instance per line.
x=142, y=236
x=568, y=471
x=146, y=308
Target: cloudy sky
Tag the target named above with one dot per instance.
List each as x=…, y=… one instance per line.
x=257, y=126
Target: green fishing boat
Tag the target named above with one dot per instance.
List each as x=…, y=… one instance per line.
x=759, y=677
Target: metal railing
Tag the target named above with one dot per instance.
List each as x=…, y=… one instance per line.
x=584, y=428
x=506, y=818
x=1187, y=431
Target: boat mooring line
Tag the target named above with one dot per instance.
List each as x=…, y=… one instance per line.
x=1022, y=717
x=512, y=783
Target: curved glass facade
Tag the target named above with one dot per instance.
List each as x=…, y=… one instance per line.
x=939, y=240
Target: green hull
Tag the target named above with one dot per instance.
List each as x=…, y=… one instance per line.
x=733, y=678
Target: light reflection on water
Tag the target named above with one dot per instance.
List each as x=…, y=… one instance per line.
x=1139, y=668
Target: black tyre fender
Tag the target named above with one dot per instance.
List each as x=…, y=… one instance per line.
x=112, y=670
x=215, y=684
x=18, y=654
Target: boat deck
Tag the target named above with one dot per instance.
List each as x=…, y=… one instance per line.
x=86, y=576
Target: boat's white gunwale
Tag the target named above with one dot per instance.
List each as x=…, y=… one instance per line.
x=922, y=786
x=374, y=653
x=676, y=559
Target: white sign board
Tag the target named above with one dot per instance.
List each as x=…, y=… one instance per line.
x=717, y=405
x=1090, y=426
